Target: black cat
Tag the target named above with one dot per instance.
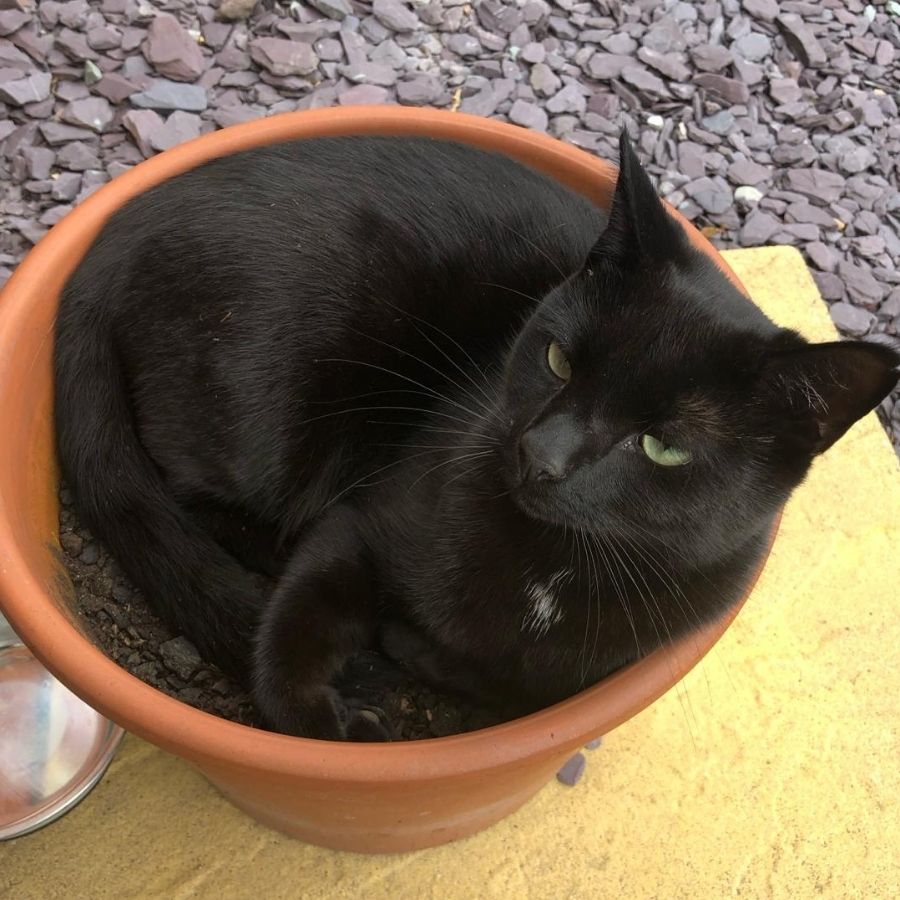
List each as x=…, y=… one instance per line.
x=424, y=386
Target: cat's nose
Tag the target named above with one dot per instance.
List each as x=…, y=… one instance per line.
x=547, y=450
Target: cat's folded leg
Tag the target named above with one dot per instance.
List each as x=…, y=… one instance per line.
x=432, y=664
x=322, y=611
x=448, y=671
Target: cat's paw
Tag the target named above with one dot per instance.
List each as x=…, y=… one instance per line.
x=313, y=713
x=364, y=723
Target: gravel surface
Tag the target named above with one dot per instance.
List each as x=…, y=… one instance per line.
x=762, y=121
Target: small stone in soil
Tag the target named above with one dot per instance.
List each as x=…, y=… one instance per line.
x=90, y=554
x=181, y=656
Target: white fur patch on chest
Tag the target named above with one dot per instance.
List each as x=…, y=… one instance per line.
x=543, y=610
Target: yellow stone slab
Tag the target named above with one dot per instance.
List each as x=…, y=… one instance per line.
x=772, y=771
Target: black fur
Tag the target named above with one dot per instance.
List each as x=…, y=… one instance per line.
x=327, y=360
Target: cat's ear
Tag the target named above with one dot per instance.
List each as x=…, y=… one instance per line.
x=822, y=389
x=639, y=226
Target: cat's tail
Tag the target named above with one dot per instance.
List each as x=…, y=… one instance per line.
x=194, y=585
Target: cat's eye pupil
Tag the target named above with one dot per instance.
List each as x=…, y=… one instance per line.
x=662, y=454
x=558, y=361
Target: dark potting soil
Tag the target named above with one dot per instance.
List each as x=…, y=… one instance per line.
x=119, y=620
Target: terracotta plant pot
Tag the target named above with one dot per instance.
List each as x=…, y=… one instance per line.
x=364, y=797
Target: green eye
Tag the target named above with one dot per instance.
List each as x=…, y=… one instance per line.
x=661, y=454
x=559, y=364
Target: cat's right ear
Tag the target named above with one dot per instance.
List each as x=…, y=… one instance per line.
x=640, y=227
x=820, y=390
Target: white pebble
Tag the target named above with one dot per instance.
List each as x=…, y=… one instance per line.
x=656, y=122
x=746, y=193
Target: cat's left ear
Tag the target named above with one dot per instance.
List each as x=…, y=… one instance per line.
x=823, y=389
x=640, y=227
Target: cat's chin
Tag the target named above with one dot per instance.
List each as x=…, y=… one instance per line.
x=534, y=502
x=542, y=503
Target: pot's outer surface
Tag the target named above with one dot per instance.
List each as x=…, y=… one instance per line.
x=363, y=797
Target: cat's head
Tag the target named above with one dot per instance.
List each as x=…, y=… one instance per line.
x=647, y=395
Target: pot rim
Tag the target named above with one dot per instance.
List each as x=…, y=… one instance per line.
x=202, y=736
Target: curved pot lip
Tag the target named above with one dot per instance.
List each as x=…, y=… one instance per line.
x=217, y=742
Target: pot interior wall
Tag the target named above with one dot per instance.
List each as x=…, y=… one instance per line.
x=30, y=481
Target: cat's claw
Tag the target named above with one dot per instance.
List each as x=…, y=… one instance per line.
x=365, y=723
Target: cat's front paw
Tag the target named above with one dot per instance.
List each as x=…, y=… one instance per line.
x=323, y=714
